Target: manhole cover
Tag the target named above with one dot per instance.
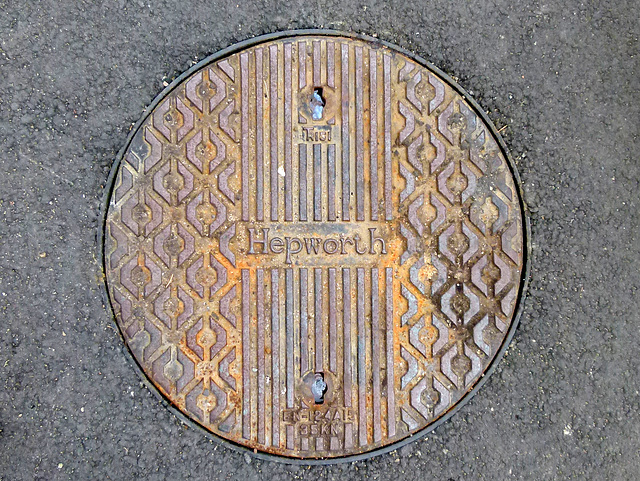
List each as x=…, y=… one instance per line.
x=314, y=246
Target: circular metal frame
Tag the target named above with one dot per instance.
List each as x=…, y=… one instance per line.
x=526, y=243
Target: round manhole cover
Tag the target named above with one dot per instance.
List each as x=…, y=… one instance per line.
x=314, y=246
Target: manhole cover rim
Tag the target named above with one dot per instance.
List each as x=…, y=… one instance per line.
x=526, y=245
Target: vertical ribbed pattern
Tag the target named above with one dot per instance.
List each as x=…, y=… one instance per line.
x=388, y=180
x=391, y=405
x=332, y=320
x=288, y=174
x=331, y=182
x=304, y=319
x=261, y=333
x=259, y=138
x=346, y=173
x=302, y=65
x=244, y=122
x=348, y=358
x=317, y=182
x=359, y=137
x=275, y=358
x=331, y=82
x=373, y=137
x=361, y=349
x=302, y=182
x=273, y=132
x=289, y=375
x=246, y=354
x=323, y=178
x=330, y=295
x=318, y=319
x=375, y=353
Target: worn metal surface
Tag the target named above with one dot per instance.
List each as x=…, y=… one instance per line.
x=314, y=247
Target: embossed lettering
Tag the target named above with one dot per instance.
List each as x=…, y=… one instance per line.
x=307, y=418
x=344, y=241
x=330, y=242
x=356, y=239
x=289, y=249
x=276, y=245
x=315, y=134
x=263, y=242
x=313, y=246
x=373, y=240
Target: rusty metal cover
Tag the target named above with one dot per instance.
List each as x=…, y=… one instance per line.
x=314, y=246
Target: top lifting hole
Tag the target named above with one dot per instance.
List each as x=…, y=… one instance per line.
x=317, y=104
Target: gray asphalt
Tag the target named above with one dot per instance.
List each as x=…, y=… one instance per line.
x=561, y=77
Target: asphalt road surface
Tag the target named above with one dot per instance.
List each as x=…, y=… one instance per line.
x=560, y=78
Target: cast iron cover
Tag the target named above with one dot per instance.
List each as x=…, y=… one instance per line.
x=314, y=245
